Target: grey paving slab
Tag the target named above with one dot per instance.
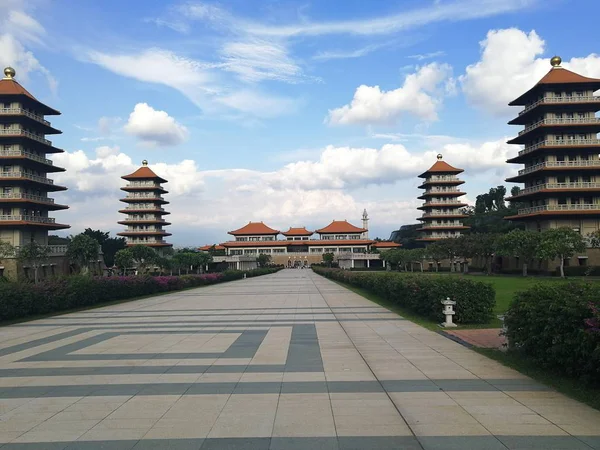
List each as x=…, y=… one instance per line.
x=283, y=362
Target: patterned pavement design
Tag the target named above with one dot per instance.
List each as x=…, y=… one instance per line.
x=280, y=362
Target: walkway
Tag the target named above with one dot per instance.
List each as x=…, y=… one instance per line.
x=281, y=362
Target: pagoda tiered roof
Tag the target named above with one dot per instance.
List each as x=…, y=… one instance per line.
x=300, y=231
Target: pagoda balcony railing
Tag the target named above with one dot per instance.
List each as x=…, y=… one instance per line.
x=567, y=121
x=152, y=196
x=29, y=134
x=143, y=184
x=440, y=190
x=136, y=241
x=139, y=207
x=434, y=178
x=22, y=195
x=442, y=202
x=37, y=219
x=441, y=235
x=571, y=99
x=27, y=155
x=18, y=174
x=143, y=219
x=572, y=207
x=149, y=230
x=579, y=185
x=12, y=111
x=565, y=142
x=438, y=213
x=582, y=163
x=442, y=225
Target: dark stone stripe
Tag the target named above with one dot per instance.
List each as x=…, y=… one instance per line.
x=41, y=341
x=245, y=346
x=328, y=443
x=263, y=388
x=304, y=350
x=137, y=311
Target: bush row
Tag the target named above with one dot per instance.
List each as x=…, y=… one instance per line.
x=18, y=300
x=422, y=294
x=557, y=325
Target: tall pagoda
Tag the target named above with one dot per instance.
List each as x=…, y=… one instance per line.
x=145, y=209
x=442, y=217
x=24, y=168
x=561, y=173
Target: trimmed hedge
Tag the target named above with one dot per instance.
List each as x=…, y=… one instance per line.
x=553, y=325
x=475, y=300
x=19, y=300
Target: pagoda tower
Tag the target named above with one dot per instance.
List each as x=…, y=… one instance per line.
x=561, y=173
x=441, y=217
x=145, y=209
x=24, y=185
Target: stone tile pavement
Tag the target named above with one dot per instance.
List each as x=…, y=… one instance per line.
x=280, y=362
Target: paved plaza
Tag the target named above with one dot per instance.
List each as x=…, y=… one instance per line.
x=279, y=362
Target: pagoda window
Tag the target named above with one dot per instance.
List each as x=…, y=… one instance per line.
x=568, y=94
x=586, y=179
x=558, y=94
x=588, y=200
x=558, y=115
x=581, y=115
x=560, y=179
x=580, y=94
x=584, y=157
x=558, y=137
x=560, y=157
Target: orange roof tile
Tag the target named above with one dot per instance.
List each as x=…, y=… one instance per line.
x=12, y=87
x=386, y=244
x=300, y=231
x=340, y=226
x=206, y=248
x=144, y=173
x=558, y=75
x=440, y=167
x=253, y=228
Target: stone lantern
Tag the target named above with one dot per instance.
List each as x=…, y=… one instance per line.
x=448, y=312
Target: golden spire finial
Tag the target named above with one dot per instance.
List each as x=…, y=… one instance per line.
x=555, y=61
x=439, y=156
x=145, y=162
x=9, y=73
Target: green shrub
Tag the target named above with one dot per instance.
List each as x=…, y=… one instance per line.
x=552, y=324
x=422, y=294
x=582, y=271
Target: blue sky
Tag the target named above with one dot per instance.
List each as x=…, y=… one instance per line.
x=291, y=112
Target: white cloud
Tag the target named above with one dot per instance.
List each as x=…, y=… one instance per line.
x=421, y=95
x=423, y=56
x=450, y=11
x=257, y=60
x=346, y=54
x=337, y=184
x=510, y=64
x=155, y=128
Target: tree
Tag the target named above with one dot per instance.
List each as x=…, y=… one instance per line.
x=81, y=250
x=489, y=212
x=124, y=260
x=263, y=260
x=407, y=235
x=417, y=255
x=328, y=258
x=522, y=244
x=437, y=252
x=58, y=240
x=561, y=243
x=465, y=246
x=35, y=255
x=142, y=256
x=164, y=264
x=485, y=245
x=6, y=249
x=110, y=246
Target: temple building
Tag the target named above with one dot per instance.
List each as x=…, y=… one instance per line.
x=24, y=183
x=349, y=244
x=442, y=217
x=144, y=209
x=560, y=154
